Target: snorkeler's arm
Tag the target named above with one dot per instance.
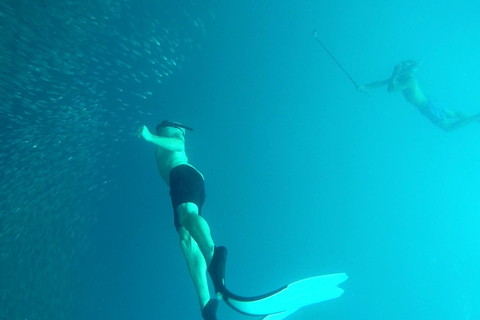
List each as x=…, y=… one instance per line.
x=172, y=144
x=395, y=85
x=376, y=84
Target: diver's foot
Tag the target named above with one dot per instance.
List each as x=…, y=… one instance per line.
x=209, y=312
x=217, y=269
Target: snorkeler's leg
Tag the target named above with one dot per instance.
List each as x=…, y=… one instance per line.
x=453, y=124
x=457, y=114
x=449, y=114
x=196, y=266
x=198, y=228
x=461, y=115
x=215, y=257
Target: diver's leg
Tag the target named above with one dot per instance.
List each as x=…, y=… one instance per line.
x=198, y=228
x=453, y=124
x=215, y=257
x=196, y=266
x=458, y=115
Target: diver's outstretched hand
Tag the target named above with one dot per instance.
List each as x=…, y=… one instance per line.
x=144, y=133
x=361, y=89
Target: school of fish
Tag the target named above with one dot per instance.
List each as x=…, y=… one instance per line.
x=73, y=75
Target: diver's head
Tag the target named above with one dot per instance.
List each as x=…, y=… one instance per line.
x=170, y=132
x=171, y=129
x=407, y=67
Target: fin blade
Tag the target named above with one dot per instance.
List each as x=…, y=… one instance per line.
x=284, y=301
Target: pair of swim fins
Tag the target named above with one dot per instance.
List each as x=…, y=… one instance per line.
x=278, y=304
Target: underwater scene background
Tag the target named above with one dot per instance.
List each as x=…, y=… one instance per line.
x=304, y=175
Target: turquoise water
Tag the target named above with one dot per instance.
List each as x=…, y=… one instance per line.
x=304, y=175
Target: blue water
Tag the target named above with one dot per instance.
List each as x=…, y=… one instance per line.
x=304, y=175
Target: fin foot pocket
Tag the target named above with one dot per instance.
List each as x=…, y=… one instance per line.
x=209, y=312
x=217, y=268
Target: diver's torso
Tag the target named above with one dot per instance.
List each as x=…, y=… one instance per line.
x=167, y=160
x=415, y=96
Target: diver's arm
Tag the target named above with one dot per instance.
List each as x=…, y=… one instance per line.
x=376, y=84
x=395, y=85
x=172, y=144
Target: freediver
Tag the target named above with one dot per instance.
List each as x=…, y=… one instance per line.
x=403, y=79
x=187, y=191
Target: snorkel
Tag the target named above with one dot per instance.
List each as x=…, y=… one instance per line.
x=178, y=125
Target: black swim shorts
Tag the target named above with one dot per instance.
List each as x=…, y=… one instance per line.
x=186, y=185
